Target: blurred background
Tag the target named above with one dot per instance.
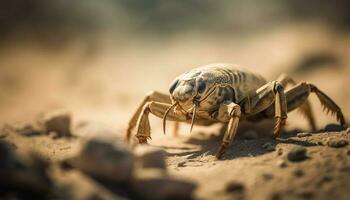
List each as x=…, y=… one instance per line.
x=99, y=58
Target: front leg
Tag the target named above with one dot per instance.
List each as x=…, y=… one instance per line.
x=143, y=129
x=151, y=96
x=231, y=113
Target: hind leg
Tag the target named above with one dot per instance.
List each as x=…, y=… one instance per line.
x=297, y=95
x=305, y=108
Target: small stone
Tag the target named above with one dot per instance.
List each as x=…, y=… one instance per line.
x=297, y=153
x=282, y=163
x=234, y=187
x=250, y=135
x=337, y=143
x=104, y=160
x=298, y=173
x=304, y=134
x=268, y=146
x=58, y=122
x=23, y=173
x=156, y=184
x=150, y=157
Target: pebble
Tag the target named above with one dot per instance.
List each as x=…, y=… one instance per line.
x=150, y=157
x=335, y=143
x=297, y=153
x=155, y=184
x=23, y=174
x=304, y=134
x=59, y=122
x=104, y=160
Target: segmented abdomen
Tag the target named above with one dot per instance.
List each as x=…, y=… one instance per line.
x=242, y=81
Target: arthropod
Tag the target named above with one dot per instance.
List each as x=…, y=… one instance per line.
x=227, y=93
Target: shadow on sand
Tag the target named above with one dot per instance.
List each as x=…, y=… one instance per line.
x=243, y=147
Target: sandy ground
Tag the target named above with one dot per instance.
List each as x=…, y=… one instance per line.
x=105, y=92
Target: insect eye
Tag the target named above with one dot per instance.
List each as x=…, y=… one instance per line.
x=173, y=86
x=201, y=86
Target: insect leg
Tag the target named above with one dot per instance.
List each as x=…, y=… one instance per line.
x=297, y=95
x=267, y=95
x=143, y=130
x=228, y=112
x=305, y=108
x=151, y=96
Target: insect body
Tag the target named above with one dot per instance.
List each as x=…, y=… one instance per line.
x=226, y=93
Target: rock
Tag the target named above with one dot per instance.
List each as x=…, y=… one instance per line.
x=304, y=134
x=59, y=122
x=155, y=184
x=250, y=135
x=150, y=157
x=105, y=161
x=281, y=163
x=297, y=153
x=337, y=143
x=268, y=146
x=24, y=175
